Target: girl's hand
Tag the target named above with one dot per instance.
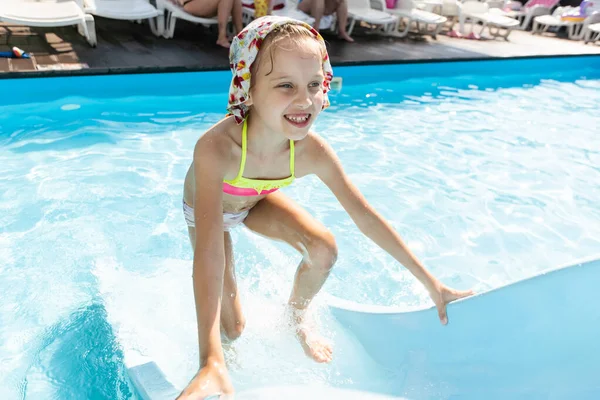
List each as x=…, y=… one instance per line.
x=442, y=295
x=211, y=380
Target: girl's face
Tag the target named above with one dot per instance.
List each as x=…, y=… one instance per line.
x=287, y=92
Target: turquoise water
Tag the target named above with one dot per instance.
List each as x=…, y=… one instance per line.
x=488, y=178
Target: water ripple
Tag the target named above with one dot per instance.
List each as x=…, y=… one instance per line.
x=487, y=182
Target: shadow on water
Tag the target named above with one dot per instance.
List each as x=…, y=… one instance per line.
x=81, y=357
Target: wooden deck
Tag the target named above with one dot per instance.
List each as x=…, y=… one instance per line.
x=125, y=47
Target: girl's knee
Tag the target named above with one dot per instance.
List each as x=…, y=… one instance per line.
x=331, y=6
x=235, y=330
x=323, y=250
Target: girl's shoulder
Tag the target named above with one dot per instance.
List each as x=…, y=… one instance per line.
x=222, y=138
x=312, y=145
x=313, y=153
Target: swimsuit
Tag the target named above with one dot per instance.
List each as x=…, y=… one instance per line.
x=230, y=220
x=240, y=186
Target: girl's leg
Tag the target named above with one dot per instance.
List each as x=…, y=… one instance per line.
x=278, y=217
x=223, y=12
x=340, y=7
x=236, y=16
x=210, y=8
x=200, y=8
x=314, y=8
x=232, y=317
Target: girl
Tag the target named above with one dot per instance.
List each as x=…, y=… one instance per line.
x=281, y=76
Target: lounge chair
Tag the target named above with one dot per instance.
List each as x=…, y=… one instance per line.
x=591, y=33
x=475, y=11
x=173, y=12
x=128, y=10
x=451, y=10
x=360, y=10
x=525, y=13
x=426, y=23
x=49, y=13
x=591, y=28
x=575, y=29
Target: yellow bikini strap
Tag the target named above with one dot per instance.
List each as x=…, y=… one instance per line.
x=244, y=149
x=292, y=158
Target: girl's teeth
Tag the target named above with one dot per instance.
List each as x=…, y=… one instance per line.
x=298, y=119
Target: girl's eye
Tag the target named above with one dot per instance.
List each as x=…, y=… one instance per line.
x=285, y=85
x=315, y=84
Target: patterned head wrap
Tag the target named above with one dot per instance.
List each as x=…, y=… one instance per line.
x=243, y=52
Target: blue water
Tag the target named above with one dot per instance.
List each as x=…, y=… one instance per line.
x=488, y=177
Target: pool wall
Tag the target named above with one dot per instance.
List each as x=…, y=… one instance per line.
x=29, y=90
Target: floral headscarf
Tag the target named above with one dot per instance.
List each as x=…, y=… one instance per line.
x=243, y=52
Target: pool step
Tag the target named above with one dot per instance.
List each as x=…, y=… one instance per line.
x=148, y=379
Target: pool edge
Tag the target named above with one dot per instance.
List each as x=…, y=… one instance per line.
x=335, y=302
x=200, y=68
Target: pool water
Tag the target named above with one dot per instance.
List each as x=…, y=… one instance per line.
x=489, y=179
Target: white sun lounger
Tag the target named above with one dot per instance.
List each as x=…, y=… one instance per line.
x=592, y=33
x=591, y=25
x=475, y=11
x=426, y=23
x=529, y=11
x=128, y=10
x=360, y=10
x=574, y=28
x=173, y=12
x=49, y=13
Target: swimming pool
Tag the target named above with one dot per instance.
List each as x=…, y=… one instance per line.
x=491, y=170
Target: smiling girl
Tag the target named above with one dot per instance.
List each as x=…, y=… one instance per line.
x=281, y=75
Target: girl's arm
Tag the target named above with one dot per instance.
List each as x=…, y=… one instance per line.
x=209, y=252
x=329, y=169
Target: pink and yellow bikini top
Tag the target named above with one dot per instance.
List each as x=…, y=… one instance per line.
x=240, y=186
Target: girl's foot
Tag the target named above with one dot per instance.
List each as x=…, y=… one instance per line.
x=223, y=42
x=313, y=344
x=346, y=37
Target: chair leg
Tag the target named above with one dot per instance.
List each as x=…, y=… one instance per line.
x=545, y=28
x=157, y=25
x=591, y=37
x=351, y=27
x=437, y=30
x=483, y=26
x=576, y=31
x=88, y=30
x=394, y=31
x=170, y=26
x=462, y=21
